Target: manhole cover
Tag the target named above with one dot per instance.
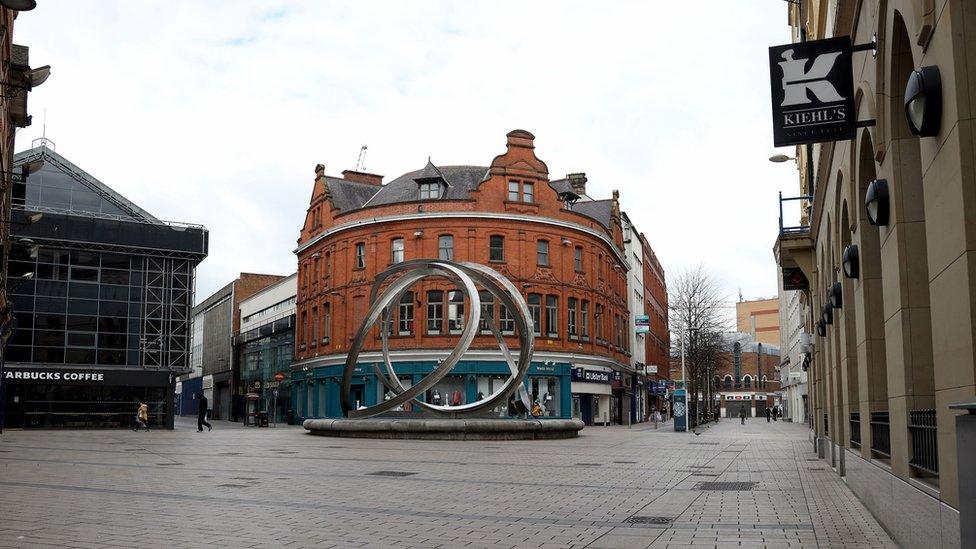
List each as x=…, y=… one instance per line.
x=726, y=486
x=625, y=462
x=589, y=464
x=391, y=474
x=245, y=478
x=231, y=486
x=705, y=474
x=286, y=452
x=701, y=466
x=169, y=464
x=229, y=454
x=649, y=520
x=135, y=449
x=813, y=459
x=705, y=443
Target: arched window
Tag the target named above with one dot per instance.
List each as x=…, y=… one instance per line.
x=747, y=381
x=728, y=382
x=763, y=383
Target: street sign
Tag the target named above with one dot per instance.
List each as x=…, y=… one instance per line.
x=813, y=92
x=794, y=279
x=642, y=324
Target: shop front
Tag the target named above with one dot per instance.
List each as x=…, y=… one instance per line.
x=51, y=398
x=592, y=395
x=315, y=392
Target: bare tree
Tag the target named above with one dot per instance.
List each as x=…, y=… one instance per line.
x=696, y=313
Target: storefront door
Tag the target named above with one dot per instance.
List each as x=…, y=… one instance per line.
x=357, y=394
x=586, y=409
x=14, y=407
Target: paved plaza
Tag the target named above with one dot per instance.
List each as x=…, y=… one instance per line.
x=246, y=487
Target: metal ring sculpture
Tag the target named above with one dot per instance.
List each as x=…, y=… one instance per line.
x=465, y=275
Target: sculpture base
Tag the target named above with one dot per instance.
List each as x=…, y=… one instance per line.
x=446, y=429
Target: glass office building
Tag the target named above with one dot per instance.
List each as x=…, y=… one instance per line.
x=101, y=294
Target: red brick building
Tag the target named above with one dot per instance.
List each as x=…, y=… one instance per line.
x=567, y=259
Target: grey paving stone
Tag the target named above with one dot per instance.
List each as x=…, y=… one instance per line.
x=238, y=487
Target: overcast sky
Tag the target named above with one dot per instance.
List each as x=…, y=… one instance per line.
x=217, y=112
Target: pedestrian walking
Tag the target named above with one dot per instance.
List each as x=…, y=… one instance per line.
x=142, y=416
x=742, y=416
x=775, y=412
x=202, y=413
x=767, y=415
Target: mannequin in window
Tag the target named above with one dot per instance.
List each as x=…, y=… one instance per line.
x=437, y=397
x=456, y=398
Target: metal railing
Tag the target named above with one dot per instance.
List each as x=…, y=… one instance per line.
x=855, y=429
x=924, y=435
x=795, y=228
x=880, y=434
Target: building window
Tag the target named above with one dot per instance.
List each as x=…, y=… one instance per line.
x=513, y=191
x=585, y=319
x=396, y=247
x=578, y=258
x=435, y=312
x=487, y=311
x=519, y=191
x=747, y=381
x=542, y=253
x=445, y=247
x=599, y=320
x=326, y=324
x=360, y=255
x=406, y=314
x=535, y=307
x=571, y=318
x=430, y=191
x=455, y=311
x=496, y=248
x=737, y=361
x=506, y=320
x=552, y=316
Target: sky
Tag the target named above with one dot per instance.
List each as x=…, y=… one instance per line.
x=216, y=112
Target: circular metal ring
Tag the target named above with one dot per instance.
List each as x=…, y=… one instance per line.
x=465, y=276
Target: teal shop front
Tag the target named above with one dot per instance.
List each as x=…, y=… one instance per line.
x=315, y=392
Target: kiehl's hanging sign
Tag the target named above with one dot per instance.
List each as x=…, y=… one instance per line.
x=813, y=92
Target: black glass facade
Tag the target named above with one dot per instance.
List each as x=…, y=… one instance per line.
x=97, y=287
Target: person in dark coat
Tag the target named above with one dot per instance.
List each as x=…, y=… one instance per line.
x=742, y=415
x=767, y=415
x=202, y=413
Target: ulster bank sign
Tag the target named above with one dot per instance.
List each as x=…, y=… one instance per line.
x=813, y=92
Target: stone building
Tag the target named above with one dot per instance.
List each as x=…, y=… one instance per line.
x=888, y=250
x=563, y=249
x=746, y=376
x=759, y=317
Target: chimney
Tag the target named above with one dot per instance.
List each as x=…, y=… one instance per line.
x=363, y=177
x=578, y=182
x=520, y=138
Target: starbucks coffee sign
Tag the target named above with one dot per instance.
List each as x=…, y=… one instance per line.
x=87, y=376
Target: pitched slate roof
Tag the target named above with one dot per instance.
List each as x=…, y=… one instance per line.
x=460, y=181
x=349, y=195
x=600, y=210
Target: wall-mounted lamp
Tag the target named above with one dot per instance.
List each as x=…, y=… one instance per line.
x=876, y=202
x=827, y=314
x=567, y=242
x=779, y=158
x=821, y=329
x=923, y=101
x=316, y=255
x=419, y=233
x=836, y=295
x=851, y=261
x=19, y=5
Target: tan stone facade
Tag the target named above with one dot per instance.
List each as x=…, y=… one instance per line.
x=759, y=317
x=902, y=347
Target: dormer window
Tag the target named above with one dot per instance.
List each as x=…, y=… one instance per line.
x=430, y=190
x=431, y=183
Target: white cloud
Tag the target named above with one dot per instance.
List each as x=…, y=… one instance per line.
x=217, y=112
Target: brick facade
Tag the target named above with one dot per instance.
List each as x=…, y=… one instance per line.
x=333, y=289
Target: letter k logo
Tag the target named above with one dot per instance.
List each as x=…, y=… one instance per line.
x=796, y=81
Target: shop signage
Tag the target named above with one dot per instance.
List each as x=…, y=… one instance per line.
x=794, y=279
x=65, y=376
x=590, y=376
x=651, y=368
x=642, y=324
x=279, y=376
x=813, y=92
